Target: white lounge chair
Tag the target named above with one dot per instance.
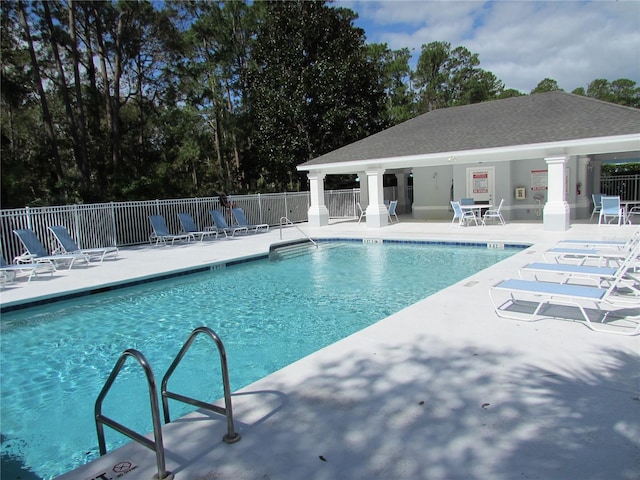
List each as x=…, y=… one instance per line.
x=619, y=245
x=161, y=232
x=391, y=212
x=222, y=226
x=66, y=244
x=462, y=217
x=9, y=272
x=611, y=210
x=494, y=213
x=241, y=220
x=597, y=256
x=581, y=274
x=597, y=205
x=189, y=226
x=530, y=300
x=36, y=253
x=362, y=213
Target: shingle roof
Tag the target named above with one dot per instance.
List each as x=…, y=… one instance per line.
x=539, y=118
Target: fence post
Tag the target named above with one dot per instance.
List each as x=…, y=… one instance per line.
x=77, y=224
x=114, y=224
x=28, y=218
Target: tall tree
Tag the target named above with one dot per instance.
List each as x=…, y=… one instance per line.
x=447, y=78
x=312, y=88
x=395, y=79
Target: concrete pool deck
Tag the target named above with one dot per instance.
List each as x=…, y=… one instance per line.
x=443, y=389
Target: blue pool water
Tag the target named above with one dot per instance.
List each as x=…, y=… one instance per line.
x=56, y=358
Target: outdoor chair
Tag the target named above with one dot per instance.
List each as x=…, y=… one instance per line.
x=468, y=201
x=221, y=225
x=462, y=217
x=530, y=300
x=362, y=213
x=66, y=244
x=36, y=253
x=161, y=232
x=189, y=226
x=392, y=211
x=241, y=220
x=597, y=205
x=611, y=210
x=9, y=272
x=494, y=213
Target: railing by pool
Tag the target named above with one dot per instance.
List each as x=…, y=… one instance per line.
x=127, y=223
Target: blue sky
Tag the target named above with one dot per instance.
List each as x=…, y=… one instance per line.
x=520, y=41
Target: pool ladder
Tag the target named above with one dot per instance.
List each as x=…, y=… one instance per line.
x=157, y=444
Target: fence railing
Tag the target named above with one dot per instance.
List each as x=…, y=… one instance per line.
x=127, y=223
x=626, y=186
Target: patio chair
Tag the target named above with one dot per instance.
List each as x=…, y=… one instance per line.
x=221, y=225
x=241, y=220
x=468, y=201
x=494, y=213
x=189, y=226
x=614, y=244
x=461, y=217
x=68, y=245
x=548, y=299
x=597, y=205
x=391, y=212
x=9, y=272
x=631, y=214
x=599, y=276
x=610, y=209
x=161, y=232
x=36, y=253
x=362, y=213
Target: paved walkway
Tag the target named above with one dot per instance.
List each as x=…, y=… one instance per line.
x=443, y=389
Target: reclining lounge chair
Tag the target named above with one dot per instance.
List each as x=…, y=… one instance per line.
x=161, y=232
x=68, y=245
x=530, y=300
x=9, y=272
x=35, y=253
x=222, y=226
x=241, y=220
x=189, y=226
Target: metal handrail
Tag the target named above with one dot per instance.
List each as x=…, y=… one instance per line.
x=289, y=222
x=231, y=436
x=157, y=445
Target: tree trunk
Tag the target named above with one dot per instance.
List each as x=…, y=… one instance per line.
x=46, y=114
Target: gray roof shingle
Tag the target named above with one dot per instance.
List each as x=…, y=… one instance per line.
x=539, y=118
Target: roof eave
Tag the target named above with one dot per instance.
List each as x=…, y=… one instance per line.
x=587, y=146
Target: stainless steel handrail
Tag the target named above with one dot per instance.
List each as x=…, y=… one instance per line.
x=289, y=222
x=157, y=445
x=231, y=436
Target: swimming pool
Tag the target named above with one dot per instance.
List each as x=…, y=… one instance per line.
x=56, y=358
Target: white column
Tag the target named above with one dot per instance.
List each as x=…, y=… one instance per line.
x=376, y=210
x=583, y=199
x=556, y=211
x=318, y=213
x=364, y=189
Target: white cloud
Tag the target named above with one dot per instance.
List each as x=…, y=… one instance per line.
x=521, y=42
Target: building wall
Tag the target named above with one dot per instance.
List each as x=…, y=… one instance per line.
x=432, y=190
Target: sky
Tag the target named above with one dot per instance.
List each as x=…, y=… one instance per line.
x=521, y=42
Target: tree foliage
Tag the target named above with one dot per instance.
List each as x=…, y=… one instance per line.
x=113, y=100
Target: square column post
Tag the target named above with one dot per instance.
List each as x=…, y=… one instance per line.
x=377, y=214
x=318, y=213
x=556, y=211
